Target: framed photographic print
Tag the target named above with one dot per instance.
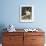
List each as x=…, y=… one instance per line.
x=26, y=13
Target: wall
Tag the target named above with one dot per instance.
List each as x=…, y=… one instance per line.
x=10, y=11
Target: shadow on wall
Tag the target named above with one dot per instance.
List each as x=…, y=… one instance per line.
x=2, y=26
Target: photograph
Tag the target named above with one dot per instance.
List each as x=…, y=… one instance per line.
x=26, y=13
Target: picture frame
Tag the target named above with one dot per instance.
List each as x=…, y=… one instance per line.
x=26, y=13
